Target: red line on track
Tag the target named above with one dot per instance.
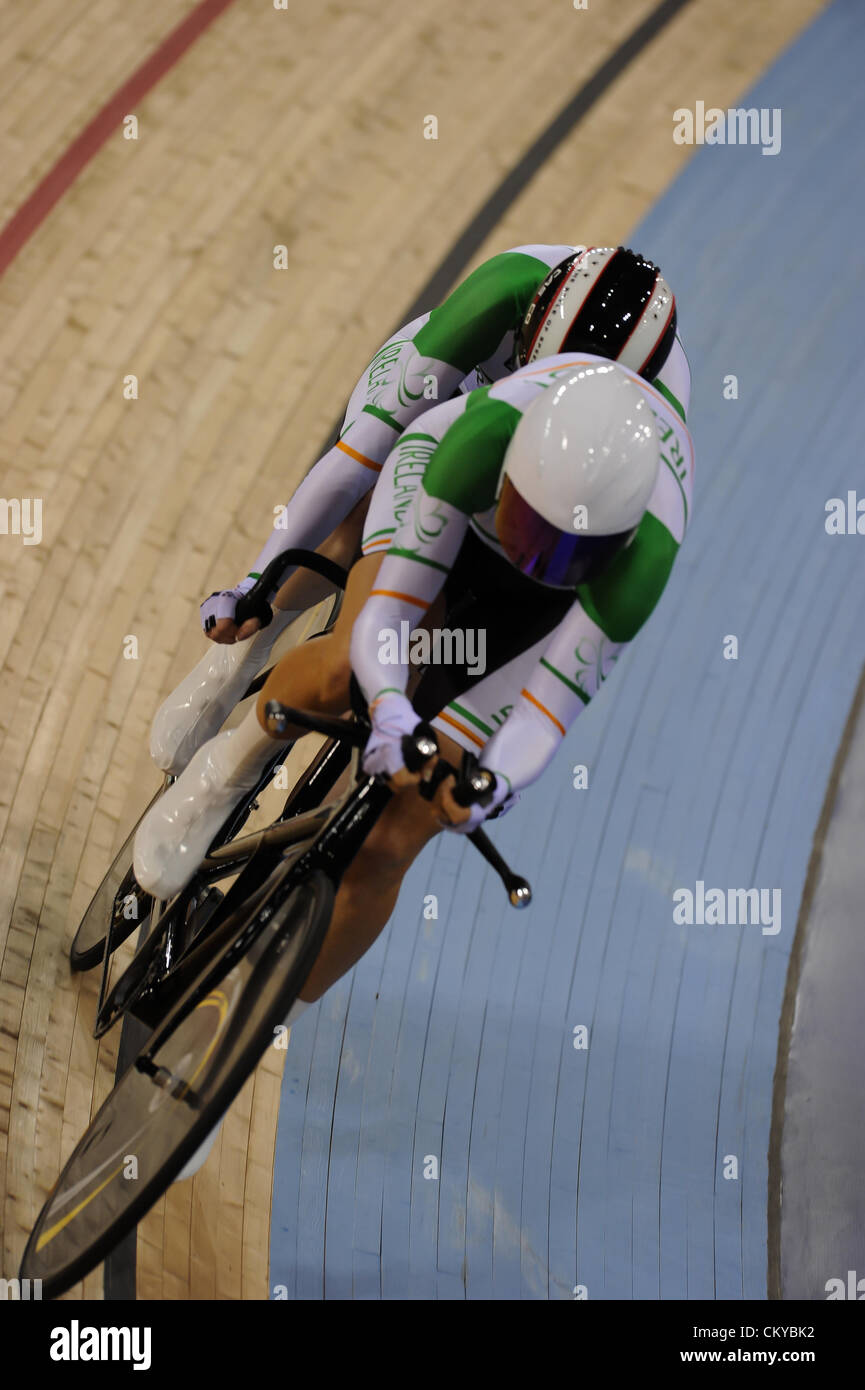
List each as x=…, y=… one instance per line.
x=55, y=183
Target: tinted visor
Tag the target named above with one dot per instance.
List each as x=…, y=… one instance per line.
x=546, y=554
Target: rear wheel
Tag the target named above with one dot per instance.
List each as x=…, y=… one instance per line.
x=177, y=1089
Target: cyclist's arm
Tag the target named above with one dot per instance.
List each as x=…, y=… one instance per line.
x=409, y=579
x=423, y=363
x=470, y=324
x=581, y=653
x=578, y=658
x=459, y=480
x=325, y=497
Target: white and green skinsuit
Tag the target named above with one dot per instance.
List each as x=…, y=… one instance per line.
x=467, y=341
x=439, y=483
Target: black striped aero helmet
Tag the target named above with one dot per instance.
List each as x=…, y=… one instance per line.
x=604, y=300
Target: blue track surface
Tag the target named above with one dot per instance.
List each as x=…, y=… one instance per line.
x=454, y=1037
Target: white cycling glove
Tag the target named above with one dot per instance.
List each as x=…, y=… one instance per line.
x=393, y=716
x=223, y=603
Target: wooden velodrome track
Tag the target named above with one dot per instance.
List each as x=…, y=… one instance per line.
x=301, y=127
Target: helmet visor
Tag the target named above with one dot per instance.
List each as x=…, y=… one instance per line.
x=546, y=554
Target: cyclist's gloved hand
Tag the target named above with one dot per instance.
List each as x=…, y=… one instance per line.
x=503, y=799
x=392, y=716
x=223, y=603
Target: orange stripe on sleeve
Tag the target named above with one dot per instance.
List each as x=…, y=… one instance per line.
x=361, y=458
x=466, y=733
x=544, y=710
x=393, y=593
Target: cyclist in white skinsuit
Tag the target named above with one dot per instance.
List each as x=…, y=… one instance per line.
x=518, y=306
x=479, y=501
x=517, y=715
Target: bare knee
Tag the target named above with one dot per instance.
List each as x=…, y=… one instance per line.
x=316, y=676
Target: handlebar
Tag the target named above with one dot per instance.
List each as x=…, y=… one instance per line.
x=477, y=785
x=256, y=604
x=279, y=719
x=419, y=747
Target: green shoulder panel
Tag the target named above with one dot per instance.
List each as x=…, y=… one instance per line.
x=623, y=597
x=464, y=469
x=468, y=327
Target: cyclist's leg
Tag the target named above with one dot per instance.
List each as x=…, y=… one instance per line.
x=365, y=900
x=317, y=676
x=370, y=886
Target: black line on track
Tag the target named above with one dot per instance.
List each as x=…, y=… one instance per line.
x=120, y=1264
x=514, y=182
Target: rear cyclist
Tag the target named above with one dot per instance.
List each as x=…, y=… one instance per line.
x=514, y=309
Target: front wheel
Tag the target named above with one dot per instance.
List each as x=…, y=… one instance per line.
x=178, y=1088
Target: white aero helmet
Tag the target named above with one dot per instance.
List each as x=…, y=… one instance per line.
x=577, y=476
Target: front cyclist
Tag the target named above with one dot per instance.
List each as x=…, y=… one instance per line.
x=517, y=307
x=550, y=507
